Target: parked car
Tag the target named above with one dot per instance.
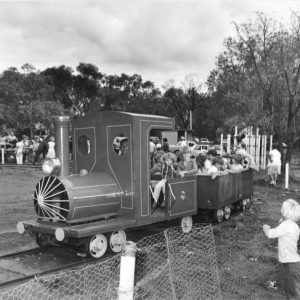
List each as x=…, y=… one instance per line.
x=204, y=141
x=200, y=149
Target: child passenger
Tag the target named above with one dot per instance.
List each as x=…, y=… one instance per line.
x=167, y=171
x=287, y=233
x=236, y=163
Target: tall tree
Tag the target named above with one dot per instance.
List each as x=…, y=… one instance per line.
x=257, y=77
x=62, y=78
x=26, y=98
x=86, y=87
x=183, y=101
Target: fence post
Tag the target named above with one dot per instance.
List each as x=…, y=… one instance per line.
x=287, y=170
x=259, y=153
x=235, y=138
x=127, y=268
x=2, y=155
x=228, y=139
x=221, y=146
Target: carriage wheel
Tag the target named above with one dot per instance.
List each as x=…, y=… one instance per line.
x=117, y=241
x=186, y=224
x=96, y=246
x=218, y=215
x=227, y=212
x=42, y=240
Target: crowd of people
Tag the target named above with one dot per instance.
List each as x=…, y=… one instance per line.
x=29, y=150
x=165, y=164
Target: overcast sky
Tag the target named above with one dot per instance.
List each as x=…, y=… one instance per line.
x=158, y=39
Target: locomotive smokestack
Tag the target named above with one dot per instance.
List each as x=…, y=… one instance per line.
x=61, y=124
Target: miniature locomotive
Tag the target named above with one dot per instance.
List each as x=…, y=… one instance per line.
x=109, y=191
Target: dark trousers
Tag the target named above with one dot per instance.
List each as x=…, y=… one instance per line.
x=38, y=153
x=292, y=280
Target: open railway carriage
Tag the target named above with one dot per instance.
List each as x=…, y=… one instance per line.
x=109, y=191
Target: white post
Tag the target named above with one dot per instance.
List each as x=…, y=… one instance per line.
x=127, y=267
x=247, y=141
x=287, y=170
x=235, y=137
x=271, y=142
x=258, y=152
x=221, y=145
x=251, y=145
x=228, y=143
x=265, y=151
x=262, y=152
x=2, y=155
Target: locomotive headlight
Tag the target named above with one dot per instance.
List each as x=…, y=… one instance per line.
x=20, y=227
x=59, y=234
x=51, y=166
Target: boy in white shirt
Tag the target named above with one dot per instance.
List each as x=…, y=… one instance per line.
x=287, y=233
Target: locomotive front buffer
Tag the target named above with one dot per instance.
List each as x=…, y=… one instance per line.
x=110, y=190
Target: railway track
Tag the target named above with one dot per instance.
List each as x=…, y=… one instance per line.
x=22, y=266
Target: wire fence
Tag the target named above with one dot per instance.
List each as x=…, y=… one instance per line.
x=170, y=265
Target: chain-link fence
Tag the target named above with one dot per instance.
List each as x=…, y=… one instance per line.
x=170, y=265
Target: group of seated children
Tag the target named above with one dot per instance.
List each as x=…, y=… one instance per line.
x=168, y=165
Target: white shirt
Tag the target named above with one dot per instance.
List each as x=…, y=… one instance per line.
x=212, y=169
x=182, y=144
x=152, y=147
x=20, y=146
x=275, y=157
x=288, y=234
x=207, y=164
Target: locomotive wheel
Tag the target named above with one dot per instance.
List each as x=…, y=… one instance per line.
x=96, y=246
x=42, y=240
x=186, y=224
x=218, y=215
x=227, y=212
x=117, y=241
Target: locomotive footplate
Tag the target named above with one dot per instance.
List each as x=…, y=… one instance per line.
x=80, y=230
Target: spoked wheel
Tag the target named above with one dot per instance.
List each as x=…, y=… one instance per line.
x=117, y=241
x=218, y=215
x=51, y=199
x=227, y=212
x=96, y=246
x=42, y=240
x=186, y=224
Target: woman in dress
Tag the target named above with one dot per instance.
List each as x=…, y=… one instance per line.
x=51, y=150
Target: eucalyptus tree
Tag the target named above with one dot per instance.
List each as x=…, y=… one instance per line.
x=257, y=77
x=26, y=99
x=182, y=101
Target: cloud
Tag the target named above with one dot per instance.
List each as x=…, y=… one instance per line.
x=158, y=39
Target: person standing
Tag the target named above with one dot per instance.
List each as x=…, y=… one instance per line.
x=42, y=149
x=288, y=233
x=274, y=167
x=152, y=150
x=19, y=152
x=165, y=145
x=51, y=149
x=182, y=143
